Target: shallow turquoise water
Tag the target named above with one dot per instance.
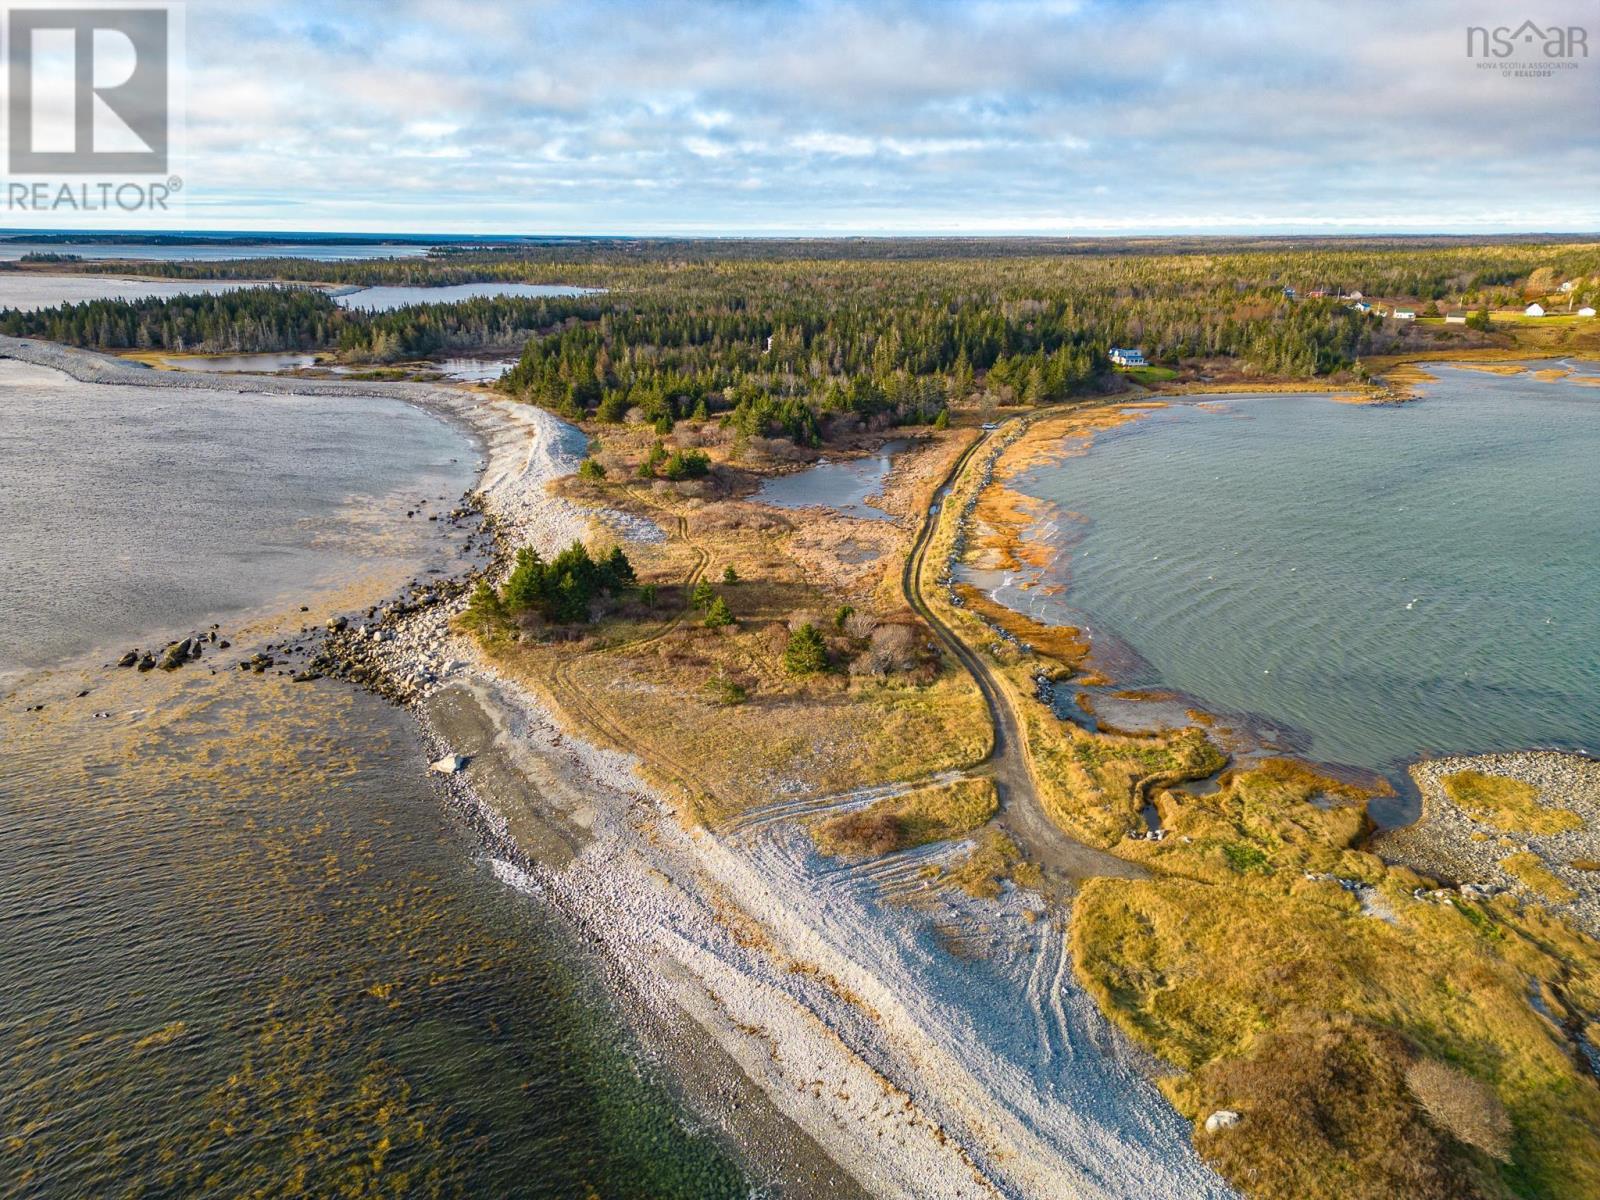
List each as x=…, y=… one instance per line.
x=247, y=949
x=1379, y=582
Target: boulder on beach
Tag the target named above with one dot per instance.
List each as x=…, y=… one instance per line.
x=450, y=764
x=1223, y=1118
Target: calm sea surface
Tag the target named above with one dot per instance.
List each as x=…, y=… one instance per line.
x=247, y=949
x=28, y=291
x=201, y=252
x=1380, y=582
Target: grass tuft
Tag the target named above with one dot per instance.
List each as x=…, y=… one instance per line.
x=1508, y=804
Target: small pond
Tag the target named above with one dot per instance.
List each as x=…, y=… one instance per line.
x=843, y=486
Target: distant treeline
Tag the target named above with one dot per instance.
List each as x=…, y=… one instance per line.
x=788, y=338
x=295, y=318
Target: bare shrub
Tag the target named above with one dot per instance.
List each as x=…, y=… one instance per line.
x=728, y=517
x=782, y=450
x=860, y=625
x=867, y=832
x=898, y=644
x=1464, y=1107
x=869, y=662
x=804, y=617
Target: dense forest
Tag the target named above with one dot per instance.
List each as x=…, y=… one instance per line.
x=296, y=318
x=786, y=337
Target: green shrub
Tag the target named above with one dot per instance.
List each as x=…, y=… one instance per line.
x=806, y=653
x=563, y=588
x=590, y=471
x=687, y=464
x=702, y=595
x=729, y=575
x=718, y=615
x=724, y=692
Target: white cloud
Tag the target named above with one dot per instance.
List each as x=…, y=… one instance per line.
x=1053, y=115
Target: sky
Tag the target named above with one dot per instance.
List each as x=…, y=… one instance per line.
x=1034, y=117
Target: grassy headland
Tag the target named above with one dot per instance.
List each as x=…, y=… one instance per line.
x=1375, y=1037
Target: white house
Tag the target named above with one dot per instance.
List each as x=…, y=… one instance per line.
x=1361, y=306
x=1128, y=358
x=1455, y=316
x=1533, y=310
x=1586, y=311
x=1404, y=314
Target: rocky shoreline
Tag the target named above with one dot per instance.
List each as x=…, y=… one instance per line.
x=1451, y=845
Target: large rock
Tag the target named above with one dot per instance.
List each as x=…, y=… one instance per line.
x=450, y=764
x=1223, y=1118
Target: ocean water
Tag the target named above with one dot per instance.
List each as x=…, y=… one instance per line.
x=29, y=291
x=317, y=251
x=1373, y=583
x=128, y=510
x=248, y=949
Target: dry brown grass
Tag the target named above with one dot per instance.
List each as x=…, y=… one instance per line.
x=654, y=691
x=1508, y=804
x=1262, y=982
x=924, y=815
x=1326, y=1113
x=994, y=860
x=1529, y=868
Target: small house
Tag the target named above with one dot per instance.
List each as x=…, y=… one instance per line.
x=1361, y=306
x=1456, y=316
x=1128, y=358
x=1404, y=314
x=1533, y=310
x=1586, y=311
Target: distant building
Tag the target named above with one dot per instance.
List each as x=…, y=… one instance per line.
x=1456, y=316
x=1533, y=310
x=1317, y=293
x=1128, y=358
x=1404, y=314
x=1289, y=292
x=1361, y=306
x=1586, y=311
